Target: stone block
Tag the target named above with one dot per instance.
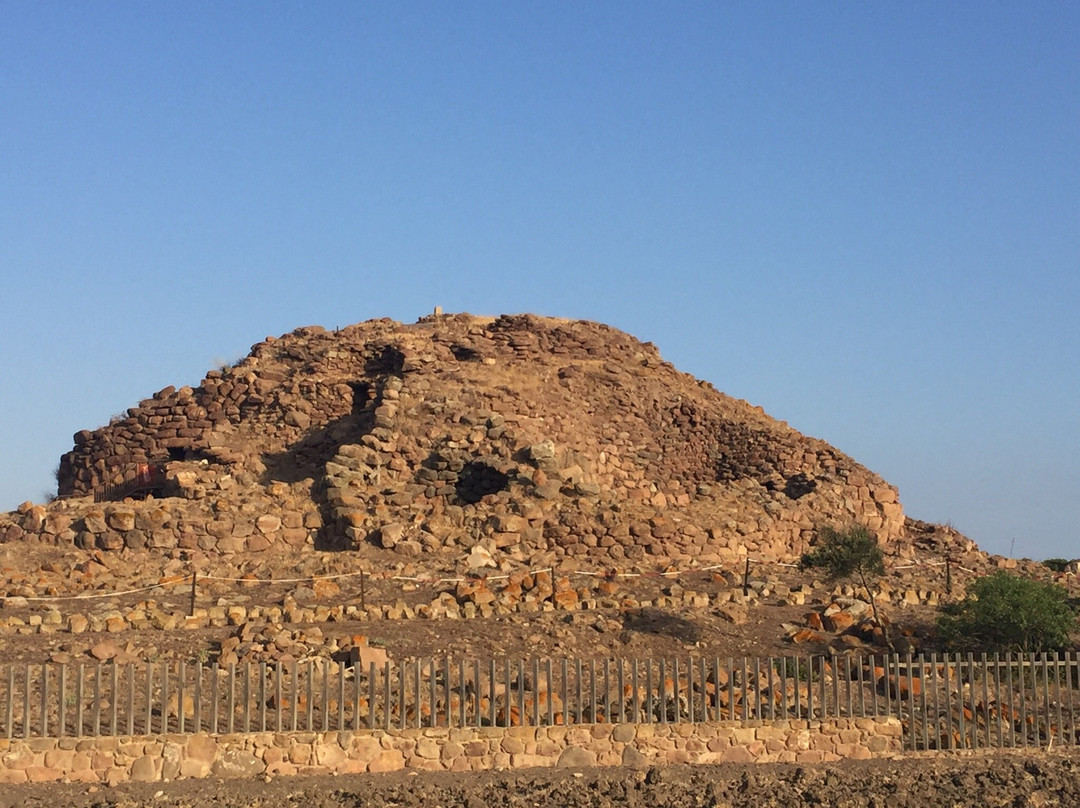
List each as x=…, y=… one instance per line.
x=576, y=757
x=389, y=760
x=144, y=770
x=237, y=763
x=329, y=754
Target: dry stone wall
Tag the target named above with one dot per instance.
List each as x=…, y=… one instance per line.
x=171, y=757
x=520, y=435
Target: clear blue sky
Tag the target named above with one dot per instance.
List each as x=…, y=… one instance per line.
x=863, y=217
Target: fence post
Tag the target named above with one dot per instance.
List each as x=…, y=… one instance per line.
x=824, y=693
x=997, y=699
x=563, y=708
x=1070, y=660
x=476, y=691
x=26, y=701
x=746, y=579
x=61, y=699
x=463, y=696
x=373, y=696
x=1057, y=690
x=1021, y=675
x=690, y=689
x=962, y=719
x=1012, y=698
x=922, y=702
x=663, y=690
x=520, y=692
x=834, y=664
x=793, y=671
x=507, y=698
x=746, y=689
x=44, y=700
x=550, y=693
x=164, y=698
x=911, y=698
x=131, y=699
x=9, y=729
x=97, y=699
x=986, y=697
x=621, y=685
x=937, y=700
x=386, y=694
x=536, y=690
x=433, y=706
x=149, y=698
x=1046, y=697
x=180, y=676
x=194, y=581
x=230, y=700
x=758, y=712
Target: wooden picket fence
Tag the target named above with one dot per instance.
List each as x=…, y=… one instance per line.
x=943, y=702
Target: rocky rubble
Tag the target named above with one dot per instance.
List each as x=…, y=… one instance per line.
x=520, y=435
x=468, y=468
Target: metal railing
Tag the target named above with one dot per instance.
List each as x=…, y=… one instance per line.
x=145, y=477
x=943, y=702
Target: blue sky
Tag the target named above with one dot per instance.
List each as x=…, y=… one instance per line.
x=865, y=220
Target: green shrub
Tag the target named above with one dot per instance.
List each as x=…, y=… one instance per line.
x=1057, y=564
x=850, y=553
x=1005, y=612
x=800, y=669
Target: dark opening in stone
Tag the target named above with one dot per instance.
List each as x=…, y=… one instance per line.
x=387, y=360
x=177, y=453
x=463, y=353
x=799, y=485
x=363, y=393
x=476, y=480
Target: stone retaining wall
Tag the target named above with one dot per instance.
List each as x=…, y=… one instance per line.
x=169, y=757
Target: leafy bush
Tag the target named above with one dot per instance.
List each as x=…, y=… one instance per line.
x=800, y=669
x=1057, y=564
x=1005, y=612
x=850, y=553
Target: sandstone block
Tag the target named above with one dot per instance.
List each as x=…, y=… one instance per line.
x=121, y=519
x=237, y=763
x=329, y=755
x=143, y=769
x=267, y=524
x=576, y=757
x=389, y=760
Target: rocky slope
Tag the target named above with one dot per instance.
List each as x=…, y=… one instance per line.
x=516, y=438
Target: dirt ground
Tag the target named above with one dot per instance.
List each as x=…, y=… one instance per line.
x=1000, y=780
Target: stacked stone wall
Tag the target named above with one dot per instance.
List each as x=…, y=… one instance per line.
x=172, y=757
x=525, y=434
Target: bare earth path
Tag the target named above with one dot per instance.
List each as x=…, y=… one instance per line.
x=1003, y=780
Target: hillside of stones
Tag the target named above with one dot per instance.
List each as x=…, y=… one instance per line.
x=518, y=435
x=520, y=450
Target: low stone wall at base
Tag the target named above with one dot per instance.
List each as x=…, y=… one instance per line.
x=169, y=757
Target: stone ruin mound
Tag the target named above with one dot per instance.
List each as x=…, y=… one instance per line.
x=509, y=439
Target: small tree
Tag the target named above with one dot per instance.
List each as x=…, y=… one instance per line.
x=1005, y=612
x=853, y=553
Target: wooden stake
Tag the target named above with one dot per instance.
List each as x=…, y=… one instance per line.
x=194, y=581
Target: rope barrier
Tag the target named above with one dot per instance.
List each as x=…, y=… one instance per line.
x=448, y=580
x=94, y=595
